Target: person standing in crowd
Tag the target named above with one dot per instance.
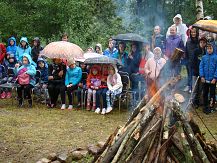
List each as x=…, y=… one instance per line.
x=181, y=28
x=133, y=59
x=12, y=45
x=111, y=51
x=2, y=52
x=56, y=81
x=198, y=53
x=191, y=45
x=157, y=39
x=114, y=87
x=122, y=55
x=29, y=71
x=172, y=42
x=98, y=48
x=90, y=50
x=208, y=74
x=72, y=79
x=36, y=49
x=23, y=48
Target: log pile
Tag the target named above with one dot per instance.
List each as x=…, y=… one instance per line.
x=151, y=136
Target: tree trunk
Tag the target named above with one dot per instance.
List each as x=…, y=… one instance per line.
x=199, y=9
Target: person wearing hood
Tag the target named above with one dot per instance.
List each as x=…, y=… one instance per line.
x=114, y=87
x=2, y=52
x=36, y=49
x=12, y=45
x=111, y=51
x=98, y=48
x=23, y=48
x=27, y=70
x=72, y=79
x=181, y=28
x=93, y=84
x=172, y=42
x=191, y=45
x=9, y=64
x=56, y=81
x=41, y=80
x=208, y=75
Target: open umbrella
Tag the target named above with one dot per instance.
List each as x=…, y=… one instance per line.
x=102, y=60
x=129, y=37
x=89, y=55
x=207, y=25
x=63, y=50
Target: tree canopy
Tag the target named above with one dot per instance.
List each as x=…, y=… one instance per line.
x=91, y=21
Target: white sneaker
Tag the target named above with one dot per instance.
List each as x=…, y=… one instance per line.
x=63, y=106
x=109, y=109
x=103, y=111
x=70, y=107
x=186, y=89
x=97, y=110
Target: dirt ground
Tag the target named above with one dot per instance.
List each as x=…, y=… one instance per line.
x=26, y=135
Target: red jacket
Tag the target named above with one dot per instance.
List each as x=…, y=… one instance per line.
x=2, y=52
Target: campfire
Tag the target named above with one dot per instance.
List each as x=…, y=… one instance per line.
x=157, y=136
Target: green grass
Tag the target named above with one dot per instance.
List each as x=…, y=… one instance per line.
x=27, y=135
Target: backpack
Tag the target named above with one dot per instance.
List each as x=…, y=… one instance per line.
x=23, y=79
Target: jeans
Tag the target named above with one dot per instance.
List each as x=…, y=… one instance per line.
x=101, y=92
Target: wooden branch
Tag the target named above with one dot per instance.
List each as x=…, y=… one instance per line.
x=143, y=145
x=198, y=153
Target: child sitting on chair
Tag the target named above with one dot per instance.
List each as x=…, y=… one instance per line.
x=93, y=84
x=9, y=63
x=42, y=79
x=114, y=87
x=26, y=80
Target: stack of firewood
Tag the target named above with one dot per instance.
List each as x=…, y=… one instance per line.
x=153, y=136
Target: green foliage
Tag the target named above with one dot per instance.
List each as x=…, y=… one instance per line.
x=91, y=21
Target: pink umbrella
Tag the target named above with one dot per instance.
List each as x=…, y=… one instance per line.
x=63, y=50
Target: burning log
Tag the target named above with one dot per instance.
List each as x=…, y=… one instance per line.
x=142, y=139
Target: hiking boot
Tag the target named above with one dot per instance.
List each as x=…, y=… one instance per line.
x=30, y=103
x=93, y=108
x=8, y=95
x=3, y=95
x=207, y=110
x=20, y=103
x=88, y=108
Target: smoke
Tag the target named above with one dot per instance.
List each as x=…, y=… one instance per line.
x=140, y=18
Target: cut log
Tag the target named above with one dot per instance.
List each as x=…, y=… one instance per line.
x=198, y=153
x=141, y=148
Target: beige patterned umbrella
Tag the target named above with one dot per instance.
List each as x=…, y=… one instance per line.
x=63, y=50
x=207, y=25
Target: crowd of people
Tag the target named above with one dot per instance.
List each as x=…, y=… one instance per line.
x=146, y=63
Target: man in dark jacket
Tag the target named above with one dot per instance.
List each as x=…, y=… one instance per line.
x=157, y=39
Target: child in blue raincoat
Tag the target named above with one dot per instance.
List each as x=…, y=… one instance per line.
x=29, y=71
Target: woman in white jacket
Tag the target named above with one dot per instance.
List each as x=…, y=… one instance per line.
x=115, y=85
